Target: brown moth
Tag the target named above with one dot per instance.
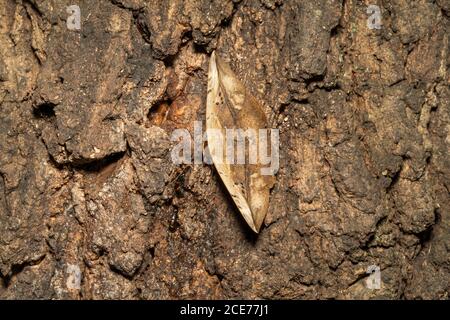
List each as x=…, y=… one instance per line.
x=231, y=106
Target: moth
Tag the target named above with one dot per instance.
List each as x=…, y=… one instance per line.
x=231, y=108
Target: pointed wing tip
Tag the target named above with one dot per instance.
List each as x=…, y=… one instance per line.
x=257, y=225
x=254, y=229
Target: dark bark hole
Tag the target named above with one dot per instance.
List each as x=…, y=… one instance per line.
x=158, y=114
x=169, y=60
x=152, y=252
x=108, y=162
x=44, y=110
x=425, y=236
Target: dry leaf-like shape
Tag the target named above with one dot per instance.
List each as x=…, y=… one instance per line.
x=230, y=107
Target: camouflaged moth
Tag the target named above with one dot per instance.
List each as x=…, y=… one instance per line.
x=231, y=106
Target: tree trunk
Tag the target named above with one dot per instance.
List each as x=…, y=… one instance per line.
x=93, y=207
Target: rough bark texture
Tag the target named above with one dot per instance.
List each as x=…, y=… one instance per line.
x=86, y=181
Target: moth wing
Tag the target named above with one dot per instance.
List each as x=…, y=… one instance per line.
x=216, y=146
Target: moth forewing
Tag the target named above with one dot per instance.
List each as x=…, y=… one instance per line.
x=231, y=106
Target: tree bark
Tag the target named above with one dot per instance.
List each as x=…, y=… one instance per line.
x=92, y=207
